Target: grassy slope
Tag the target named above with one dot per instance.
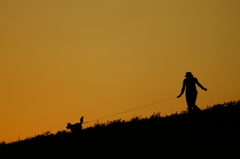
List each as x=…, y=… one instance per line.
x=214, y=132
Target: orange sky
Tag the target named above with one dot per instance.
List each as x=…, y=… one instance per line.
x=61, y=59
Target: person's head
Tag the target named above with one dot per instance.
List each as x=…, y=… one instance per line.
x=188, y=75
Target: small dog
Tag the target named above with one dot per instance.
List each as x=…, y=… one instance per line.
x=75, y=127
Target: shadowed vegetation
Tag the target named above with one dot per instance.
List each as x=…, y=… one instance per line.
x=213, y=132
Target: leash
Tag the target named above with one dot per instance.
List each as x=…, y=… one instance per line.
x=130, y=110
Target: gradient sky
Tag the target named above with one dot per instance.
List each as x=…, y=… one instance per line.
x=63, y=59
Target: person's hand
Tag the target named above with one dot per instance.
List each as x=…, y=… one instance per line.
x=179, y=96
x=205, y=89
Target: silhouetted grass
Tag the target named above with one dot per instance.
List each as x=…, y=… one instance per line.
x=213, y=132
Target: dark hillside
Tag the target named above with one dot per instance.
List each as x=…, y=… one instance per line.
x=212, y=133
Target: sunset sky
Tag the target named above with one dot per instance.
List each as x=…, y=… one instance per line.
x=63, y=59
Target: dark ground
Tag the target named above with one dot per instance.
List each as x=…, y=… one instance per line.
x=212, y=133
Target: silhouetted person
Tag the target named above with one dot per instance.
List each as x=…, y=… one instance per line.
x=191, y=91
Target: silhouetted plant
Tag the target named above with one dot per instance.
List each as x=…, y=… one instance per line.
x=61, y=132
x=47, y=133
x=155, y=115
x=97, y=124
x=184, y=112
x=117, y=121
x=136, y=118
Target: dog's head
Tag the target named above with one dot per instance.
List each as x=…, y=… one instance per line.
x=69, y=125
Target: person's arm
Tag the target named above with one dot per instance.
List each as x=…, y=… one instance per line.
x=183, y=88
x=205, y=89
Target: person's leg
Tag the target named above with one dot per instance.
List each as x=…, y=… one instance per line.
x=190, y=101
x=195, y=106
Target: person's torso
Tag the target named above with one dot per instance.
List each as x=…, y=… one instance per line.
x=191, y=84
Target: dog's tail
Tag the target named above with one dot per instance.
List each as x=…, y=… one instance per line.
x=81, y=120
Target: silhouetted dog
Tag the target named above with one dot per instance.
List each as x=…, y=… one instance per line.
x=75, y=127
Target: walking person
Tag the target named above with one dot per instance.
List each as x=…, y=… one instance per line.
x=191, y=91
